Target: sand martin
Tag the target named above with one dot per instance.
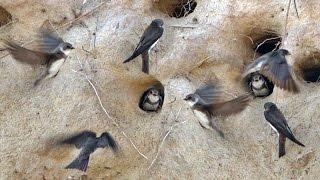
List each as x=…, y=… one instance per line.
x=52, y=54
x=88, y=142
x=148, y=40
x=274, y=66
x=278, y=123
x=260, y=86
x=151, y=100
x=207, y=104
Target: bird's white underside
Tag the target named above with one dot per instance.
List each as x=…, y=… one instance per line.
x=274, y=128
x=152, y=46
x=55, y=67
x=203, y=119
x=153, y=98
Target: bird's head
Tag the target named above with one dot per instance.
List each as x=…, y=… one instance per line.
x=153, y=95
x=284, y=52
x=257, y=78
x=191, y=99
x=269, y=105
x=157, y=22
x=66, y=48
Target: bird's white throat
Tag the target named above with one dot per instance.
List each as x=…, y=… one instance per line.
x=153, y=98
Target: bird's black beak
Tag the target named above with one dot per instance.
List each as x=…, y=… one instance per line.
x=72, y=47
x=185, y=99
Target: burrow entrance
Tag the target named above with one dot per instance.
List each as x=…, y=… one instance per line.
x=5, y=16
x=266, y=41
x=309, y=68
x=177, y=8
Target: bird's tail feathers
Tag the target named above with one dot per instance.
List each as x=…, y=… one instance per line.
x=282, y=145
x=145, y=62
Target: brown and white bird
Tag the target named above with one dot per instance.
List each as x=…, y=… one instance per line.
x=52, y=54
x=207, y=104
x=274, y=66
x=260, y=86
x=88, y=142
x=278, y=123
x=148, y=40
x=152, y=100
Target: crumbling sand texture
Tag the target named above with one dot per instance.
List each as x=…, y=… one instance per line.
x=212, y=42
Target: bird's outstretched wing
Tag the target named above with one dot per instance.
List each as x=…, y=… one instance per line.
x=106, y=140
x=149, y=37
x=49, y=40
x=210, y=92
x=24, y=55
x=278, y=71
x=230, y=107
x=81, y=162
x=79, y=139
x=275, y=117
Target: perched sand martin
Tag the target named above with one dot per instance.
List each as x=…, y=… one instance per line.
x=151, y=100
x=148, y=40
x=88, y=142
x=274, y=66
x=260, y=86
x=206, y=104
x=52, y=55
x=278, y=123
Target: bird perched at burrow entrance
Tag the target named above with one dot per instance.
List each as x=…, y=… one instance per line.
x=260, y=85
x=274, y=66
x=88, y=142
x=52, y=54
x=278, y=123
x=152, y=99
x=207, y=104
x=148, y=40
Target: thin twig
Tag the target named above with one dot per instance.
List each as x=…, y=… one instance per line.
x=255, y=51
x=182, y=26
x=83, y=15
x=286, y=23
x=165, y=137
x=295, y=7
x=105, y=111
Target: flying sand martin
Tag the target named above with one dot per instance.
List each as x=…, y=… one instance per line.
x=151, y=100
x=148, y=40
x=52, y=54
x=274, y=66
x=278, y=123
x=88, y=142
x=207, y=104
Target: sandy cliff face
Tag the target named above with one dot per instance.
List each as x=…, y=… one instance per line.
x=215, y=41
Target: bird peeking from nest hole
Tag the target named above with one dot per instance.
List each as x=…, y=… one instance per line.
x=275, y=68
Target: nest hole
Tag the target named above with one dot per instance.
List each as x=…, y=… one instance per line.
x=309, y=68
x=177, y=8
x=155, y=88
x=266, y=41
x=5, y=16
